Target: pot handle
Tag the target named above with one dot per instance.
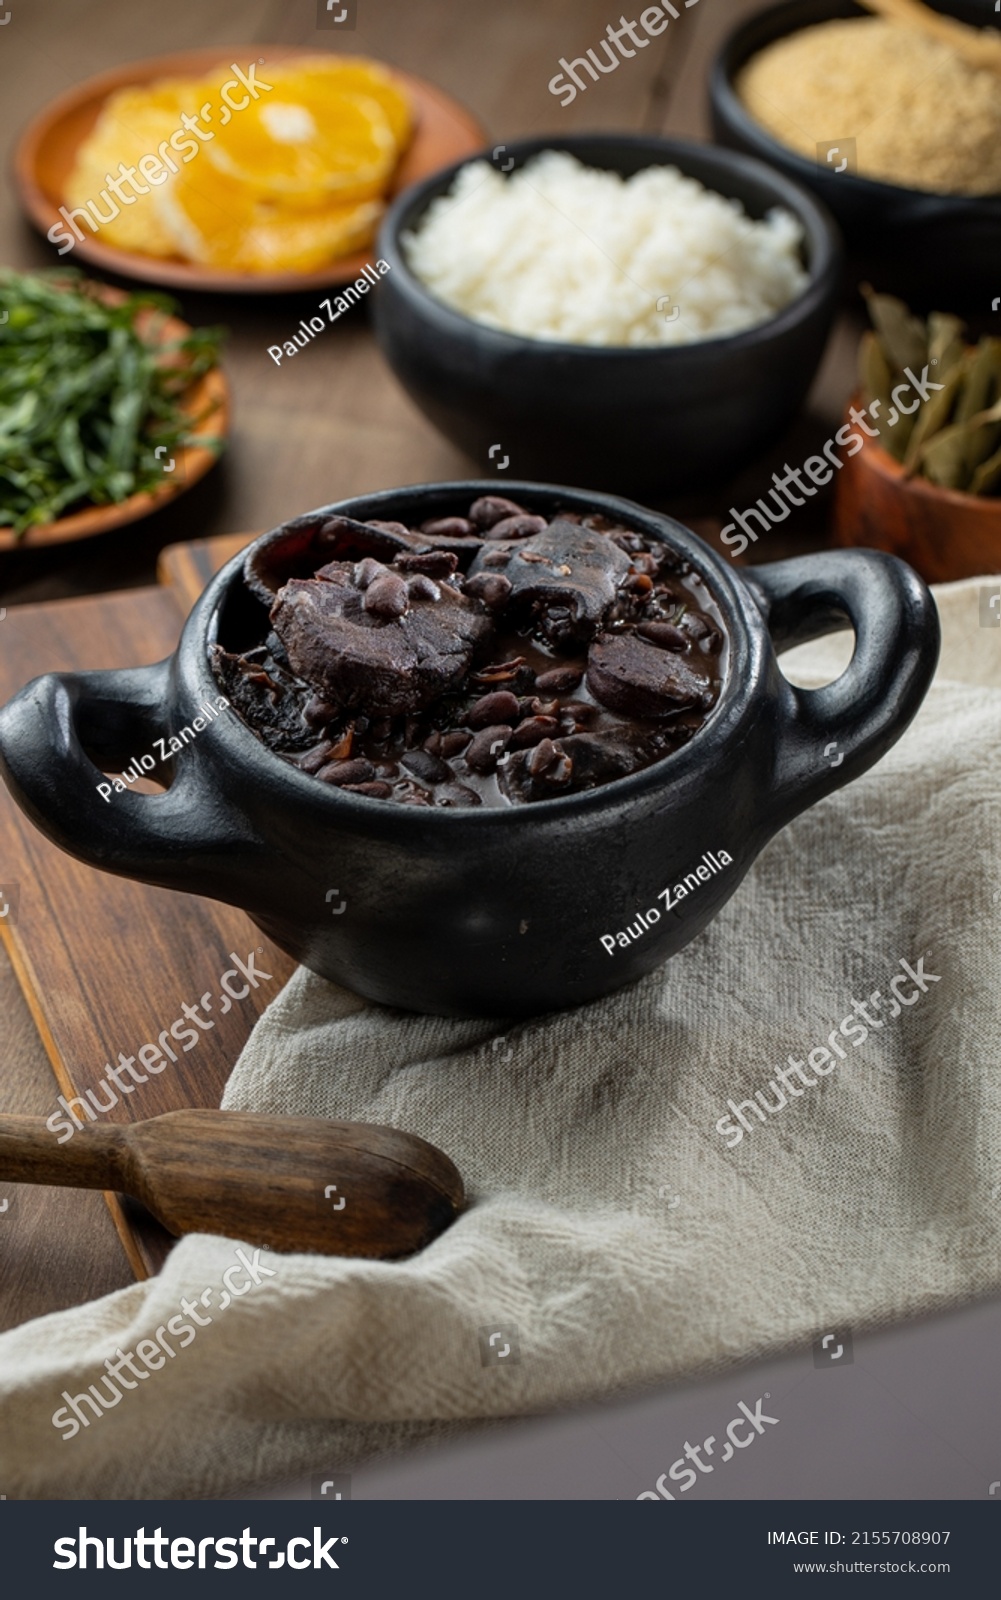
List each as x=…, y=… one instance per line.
x=831, y=735
x=48, y=734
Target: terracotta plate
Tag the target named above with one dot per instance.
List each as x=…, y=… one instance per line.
x=46, y=152
x=191, y=462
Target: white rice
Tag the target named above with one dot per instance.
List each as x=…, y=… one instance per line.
x=566, y=252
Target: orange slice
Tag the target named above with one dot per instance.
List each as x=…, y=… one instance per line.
x=128, y=129
x=307, y=150
x=219, y=223
x=304, y=241
x=323, y=75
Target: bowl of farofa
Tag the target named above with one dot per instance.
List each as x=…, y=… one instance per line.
x=913, y=178
x=640, y=417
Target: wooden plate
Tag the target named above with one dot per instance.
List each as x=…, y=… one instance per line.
x=46, y=153
x=191, y=462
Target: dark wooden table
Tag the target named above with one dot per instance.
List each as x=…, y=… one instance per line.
x=334, y=422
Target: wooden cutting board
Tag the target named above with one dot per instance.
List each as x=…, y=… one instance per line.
x=106, y=963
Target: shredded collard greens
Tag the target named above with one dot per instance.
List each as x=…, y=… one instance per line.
x=87, y=393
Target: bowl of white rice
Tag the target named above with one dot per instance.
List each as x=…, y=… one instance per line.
x=626, y=312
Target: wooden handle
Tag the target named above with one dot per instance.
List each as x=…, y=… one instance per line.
x=94, y=1158
x=980, y=47
x=294, y=1183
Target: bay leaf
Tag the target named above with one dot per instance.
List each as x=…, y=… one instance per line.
x=934, y=414
x=901, y=334
x=987, y=478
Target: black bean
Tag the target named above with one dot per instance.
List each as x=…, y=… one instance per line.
x=368, y=569
x=429, y=768
x=316, y=758
x=343, y=772
x=581, y=710
x=664, y=634
x=493, y=588
x=448, y=528
x=549, y=761
x=484, y=749
x=520, y=527
x=495, y=558
x=421, y=587
x=375, y=791
x=532, y=731
x=389, y=527
x=317, y=712
x=501, y=706
x=559, y=680
x=436, y=563
x=490, y=508
x=516, y=674
x=453, y=744
x=386, y=596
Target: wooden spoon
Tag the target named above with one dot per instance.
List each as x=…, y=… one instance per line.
x=295, y=1183
x=980, y=47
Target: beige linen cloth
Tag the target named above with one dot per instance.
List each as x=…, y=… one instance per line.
x=610, y=1224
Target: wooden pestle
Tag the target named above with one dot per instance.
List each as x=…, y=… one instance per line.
x=294, y=1183
x=981, y=47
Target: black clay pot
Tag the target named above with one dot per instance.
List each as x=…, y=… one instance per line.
x=481, y=912
x=634, y=420
x=938, y=252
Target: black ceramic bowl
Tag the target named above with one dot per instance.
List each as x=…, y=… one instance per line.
x=632, y=420
x=936, y=251
x=497, y=912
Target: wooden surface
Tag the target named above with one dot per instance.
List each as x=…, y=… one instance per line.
x=331, y=423
x=106, y=964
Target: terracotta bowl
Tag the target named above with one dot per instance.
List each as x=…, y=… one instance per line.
x=942, y=533
x=208, y=395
